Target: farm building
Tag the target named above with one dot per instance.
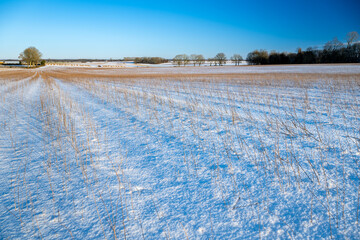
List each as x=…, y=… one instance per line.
x=10, y=62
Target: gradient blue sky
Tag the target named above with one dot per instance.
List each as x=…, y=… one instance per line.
x=116, y=29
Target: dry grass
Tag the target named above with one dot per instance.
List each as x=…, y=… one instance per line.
x=85, y=73
x=7, y=74
x=183, y=106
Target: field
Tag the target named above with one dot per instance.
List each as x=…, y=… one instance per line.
x=180, y=152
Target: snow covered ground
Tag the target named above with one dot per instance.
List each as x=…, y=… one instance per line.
x=228, y=69
x=169, y=158
x=127, y=64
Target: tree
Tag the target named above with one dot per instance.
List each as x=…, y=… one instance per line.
x=351, y=37
x=258, y=57
x=353, y=53
x=333, y=52
x=236, y=58
x=31, y=56
x=333, y=45
x=193, y=58
x=181, y=59
x=284, y=58
x=150, y=60
x=200, y=59
x=129, y=59
x=220, y=58
x=274, y=57
x=186, y=59
x=178, y=59
x=211, y=61
x=309, y=56
x=197, y=59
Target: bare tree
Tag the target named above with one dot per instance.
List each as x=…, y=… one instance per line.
x=333, y=45
x=181, y=59
x=200, y=59
x=186, y=59
x=351, y=37
x=31, y=56
x=220, y=58
x=211, y=61
x=178, y=59
x=193, y=58
x=236, y=58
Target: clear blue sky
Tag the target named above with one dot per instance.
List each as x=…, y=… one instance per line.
x=116, y=29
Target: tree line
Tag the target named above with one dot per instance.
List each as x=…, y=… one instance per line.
x=333, y=51
x=198, y=59
x=150, y=60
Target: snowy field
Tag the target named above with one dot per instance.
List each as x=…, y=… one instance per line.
x=227, y=152
x=126, y=64
x=167, y=68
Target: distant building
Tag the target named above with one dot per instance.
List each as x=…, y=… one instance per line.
x=11, y=62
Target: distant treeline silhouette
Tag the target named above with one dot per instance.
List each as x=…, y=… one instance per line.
x=333, y=52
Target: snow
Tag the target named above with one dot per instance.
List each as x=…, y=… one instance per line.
x=176, y=159
x=126, y=64
x=228, y=68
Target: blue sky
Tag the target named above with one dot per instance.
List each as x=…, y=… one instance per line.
x=116, y=29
